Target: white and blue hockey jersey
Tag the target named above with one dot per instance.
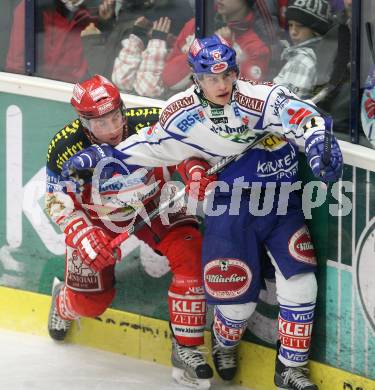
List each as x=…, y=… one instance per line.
x=190, y=127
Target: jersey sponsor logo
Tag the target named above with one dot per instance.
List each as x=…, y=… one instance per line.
x=298, y=343
x=280, y=101
x=227, y=278
x=151, y=133
x=302, y=316
x=105, y=108
x=225, y=130
x=65, y=133
x=174, y=107
x=78, y=93
x=188, y=306
x=188, y=121
x=217, y=111
x=80, y=276
x=99, y=93
x=187, y=310
x=249, y=102
x=219, y=68
x=143, y=111
x=284, y=167
x=295, y=335
x=288, y=328
x=187, y=332
x=202, y=115
x=273, y=142
x=295, y=356
x=138, y=185
x=68, y=152
x=228, y=334
x=296, y=117
x=301, y=248
x=204, y=102
x=222, y=119
x=53, y=184
x=121, y=183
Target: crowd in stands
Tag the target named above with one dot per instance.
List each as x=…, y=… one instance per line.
x=141, y=45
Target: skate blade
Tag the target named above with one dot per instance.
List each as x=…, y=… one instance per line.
x=183, y=378
x=56, y=281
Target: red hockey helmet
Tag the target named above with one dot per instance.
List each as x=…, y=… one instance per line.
x=95, y=97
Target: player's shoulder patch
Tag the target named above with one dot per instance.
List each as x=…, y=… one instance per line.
x=151, y=133
x=175, y=105
x=250, y=97
x=249, y=102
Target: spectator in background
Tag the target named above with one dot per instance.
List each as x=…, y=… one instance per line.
x=236, y=26
x=269, y=19
x=59, y=47
x=332, y=93
x=307, y=23
x=140, y=62
x=6, y=14
x=180, y=10
x=101, y=49
x=282, y=5
x=348, y=10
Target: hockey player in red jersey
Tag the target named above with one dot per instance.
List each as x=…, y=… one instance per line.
x=90, y=215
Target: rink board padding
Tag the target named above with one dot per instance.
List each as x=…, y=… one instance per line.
x=148, y=339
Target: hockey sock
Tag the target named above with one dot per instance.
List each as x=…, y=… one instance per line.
x=187, y=310
x=295, y=327
x=228, y=331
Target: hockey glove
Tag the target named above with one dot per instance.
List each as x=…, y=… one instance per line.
x=89, y=158
x=314, y=147
x=192, y=173
x=93, y=245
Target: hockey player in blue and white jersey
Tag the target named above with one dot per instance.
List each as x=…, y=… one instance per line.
x=218, y=117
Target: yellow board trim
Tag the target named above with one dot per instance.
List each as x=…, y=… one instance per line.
x=149, y=339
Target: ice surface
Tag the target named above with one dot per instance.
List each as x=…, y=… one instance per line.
x=33, y=362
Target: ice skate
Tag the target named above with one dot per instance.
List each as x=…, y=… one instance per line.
x=190, y=367
x=225, y=359
x=57, y=327
x=292, y=378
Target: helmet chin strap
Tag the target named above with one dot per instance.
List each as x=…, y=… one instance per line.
x=196, y=82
